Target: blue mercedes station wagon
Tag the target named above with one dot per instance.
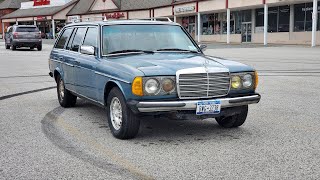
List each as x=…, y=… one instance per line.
x=136, y=68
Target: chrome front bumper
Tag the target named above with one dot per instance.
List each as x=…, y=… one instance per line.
x=162, y=106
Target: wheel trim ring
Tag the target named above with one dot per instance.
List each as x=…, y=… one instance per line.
x=61, y=90
x=116, y=113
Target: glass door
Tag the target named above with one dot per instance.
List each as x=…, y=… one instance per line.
x=246, y=34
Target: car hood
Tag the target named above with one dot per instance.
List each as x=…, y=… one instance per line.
x=169, y=63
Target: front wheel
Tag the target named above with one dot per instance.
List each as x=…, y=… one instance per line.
x=235, y=120
x=123, y=123
x=39, y=48
x=66, y=99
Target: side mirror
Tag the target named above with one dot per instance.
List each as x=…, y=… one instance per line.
x=89, y=50
x=203, y=47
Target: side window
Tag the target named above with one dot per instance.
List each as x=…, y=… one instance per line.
x=68, y=47
x=63, y=39
x=77, y=40
x=91, y=37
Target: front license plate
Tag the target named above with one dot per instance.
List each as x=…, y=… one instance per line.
x=208, y=107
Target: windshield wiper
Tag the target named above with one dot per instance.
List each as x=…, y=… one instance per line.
x=177, y=49
x=128, y=51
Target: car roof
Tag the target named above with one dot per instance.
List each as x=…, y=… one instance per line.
x=123, y=22
x=24, y=25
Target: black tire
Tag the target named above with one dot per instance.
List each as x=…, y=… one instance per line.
x=39, y=48
x=235, y=120
x=13, y=47
x=130, y=124
x=31, y=48
x=67, y=99
x=7, y=46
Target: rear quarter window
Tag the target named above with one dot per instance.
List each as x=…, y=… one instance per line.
x=63, y=38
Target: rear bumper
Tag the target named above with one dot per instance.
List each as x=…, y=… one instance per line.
x=27, y=42
x=185, y=105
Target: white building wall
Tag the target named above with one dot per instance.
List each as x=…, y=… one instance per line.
x=139, y=14
x=165, y=11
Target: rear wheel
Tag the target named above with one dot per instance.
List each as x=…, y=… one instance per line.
x=13, y=47
x=39, y=47
x=235, y=120
x=31, y=48
x=123, y=123
x=7, y=46
x=66, y=99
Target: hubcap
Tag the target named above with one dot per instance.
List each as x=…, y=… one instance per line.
x=61, y=90
x=116, y=113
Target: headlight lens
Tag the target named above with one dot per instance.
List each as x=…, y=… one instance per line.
x=236, y=82
x=168, y=85
x=247, y=80
x=152, y=86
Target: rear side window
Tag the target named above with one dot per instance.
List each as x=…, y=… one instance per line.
x=77, y=40
x=27, y=29
x=91, y=37
x=63, y=39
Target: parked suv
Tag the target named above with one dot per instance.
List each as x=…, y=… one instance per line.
x=138, y=67
x=23, y=36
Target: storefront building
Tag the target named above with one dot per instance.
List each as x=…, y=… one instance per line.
x=7, y=7
x=48, y=15
x=225, y=21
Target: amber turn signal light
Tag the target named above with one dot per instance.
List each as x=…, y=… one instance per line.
x=137, y=86
x=256, y=80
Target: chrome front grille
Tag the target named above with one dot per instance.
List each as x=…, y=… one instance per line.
x=203, y=85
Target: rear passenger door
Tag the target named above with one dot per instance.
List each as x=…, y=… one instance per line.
x=84, y=71
x=72, y=53
x=63, y=59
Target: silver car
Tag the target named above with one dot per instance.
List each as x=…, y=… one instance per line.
x=23, y=36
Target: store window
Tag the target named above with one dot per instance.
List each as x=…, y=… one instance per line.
x=217, y=23
x=278, y=19
x=210, y=24
x=303, y=16
x=284, y=19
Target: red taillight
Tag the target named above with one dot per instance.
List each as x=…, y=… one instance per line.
x=15, y=35
x=39, y=35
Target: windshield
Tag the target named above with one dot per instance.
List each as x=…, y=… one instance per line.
x=143, y=38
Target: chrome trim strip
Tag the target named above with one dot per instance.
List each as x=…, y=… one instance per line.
x=192, y=104
x=68, y=64
x=112, y=77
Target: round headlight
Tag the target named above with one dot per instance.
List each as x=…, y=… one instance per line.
x=168, y=85
x=236, y=82
x=152, y=86
x=247, y=80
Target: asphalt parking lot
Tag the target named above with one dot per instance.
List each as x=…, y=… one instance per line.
x=280, y=139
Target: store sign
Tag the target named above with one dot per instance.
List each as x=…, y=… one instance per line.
x=73, y=18
x=185, y=9
x=41, y=2
x=116, y=15
x=41, y=18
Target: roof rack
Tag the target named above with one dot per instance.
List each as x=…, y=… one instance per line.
x=156, y=19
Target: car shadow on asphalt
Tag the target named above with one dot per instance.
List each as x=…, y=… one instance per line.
x=165, y=130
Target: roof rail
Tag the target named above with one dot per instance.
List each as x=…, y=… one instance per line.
x=89, y=19
x=156, y=19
